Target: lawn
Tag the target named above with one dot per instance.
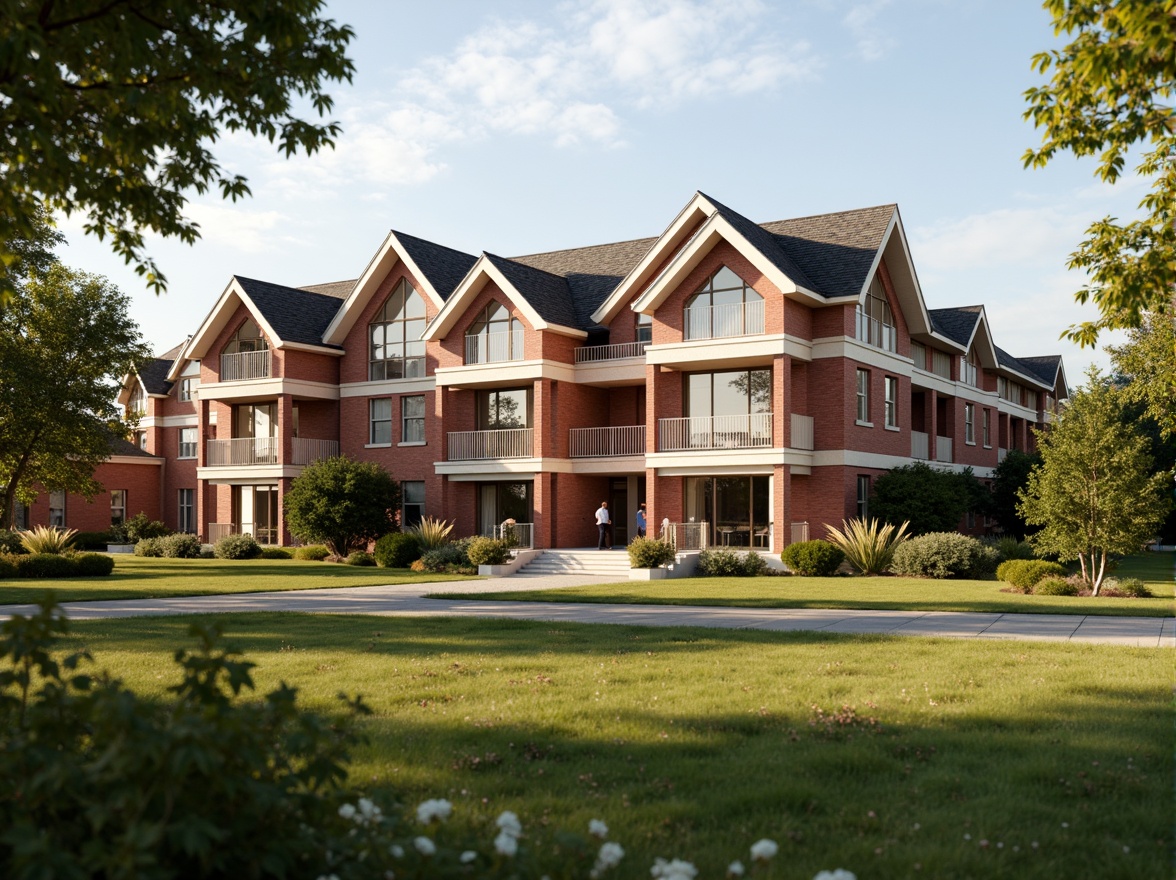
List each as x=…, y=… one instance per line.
x=891, y=593
x=893, y=757
x=136, y=577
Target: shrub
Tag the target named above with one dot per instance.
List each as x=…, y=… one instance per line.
x=360, y=557
x=868, y=546
x=1011, y=548
x=1025, y=573
x=1052, y=585
x=47, y=539
x=944, y=555
x=813, y=558
x=431, y=533
x=93, y=565
x=10, y=543
x=398, y=550
x=178, y=546
x=650, y=553
x=1127, y=588
x=341, y=503
x=451, y=557
x=45, y=565
x=312, y=552
x=488, y=551
x=92, y=540
x=927, y=499
x=729, y=563
x=150, y=547
x=237, y=547
x=754, y=564
x=276, y=553
x=7, y=566
x=139, y=527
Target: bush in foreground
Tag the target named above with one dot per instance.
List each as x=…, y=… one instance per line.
x=178, y=546
x=944, y=555
x=397, y=550
x=55, y=565
x=1025, y=573
x=1052, y=585
x=10, y=542
x=237, y=547
x=342, y=503
x=813, y=558
x=729, y=563
x=451, y=558
x=361, y=558
x=276, y=553
x=488, y=551
x=650, y=553
x=312, y=553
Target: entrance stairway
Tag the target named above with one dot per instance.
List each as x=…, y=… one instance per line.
x=605, y=563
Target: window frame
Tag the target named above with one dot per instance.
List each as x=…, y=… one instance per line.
x=704, y=298
x=986, y=429
x=863, y=398
x=410, y=366
x=117, y=495
x=406, y=420
x=970, y=424
x=863, y=497
x=59, y=507
x=405, y=503
x=186, y=512
x=481, y=327
x=373, y=421
x=193, y=445
x=890, y=398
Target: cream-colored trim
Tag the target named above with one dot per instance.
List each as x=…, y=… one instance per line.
x=252, y=474
x=188, y=421
x=716, y=470
x=503, y=373
x=413, y=443
x=855, y=350
x=710, y=458
x=134, y=459
x=377, y=446
x=922, y=322
x=244, y=480
x=751, y=350
x=216, y=320
x=878, y=461
x=495, y=469
x=384, y=387
x=316, y=349
x=622, y=371
x=621, y=464
x=1015, y=409
x=271, y=387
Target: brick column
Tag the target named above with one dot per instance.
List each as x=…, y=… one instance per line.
x=932, y=422
x=781, y=502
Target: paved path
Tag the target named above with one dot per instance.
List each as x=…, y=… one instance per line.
x=410, y=599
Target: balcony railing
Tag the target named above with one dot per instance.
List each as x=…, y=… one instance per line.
x=499, y=443
x=305, y=450
x=800, y=532
x=802, y=432
x=943, y=449
x=732, y=319
x=715, y=432
x=920, y=447
x=216, y=531
x=686, y=536
x=491, y=348
x=242, y=451
x=873, y=332
x=591, y=354
x=606, y=442
x=520, y=535
x=245, y=365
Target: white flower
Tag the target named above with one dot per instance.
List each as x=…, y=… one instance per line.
x=424, y=846
x=506, y=843
x=764, y=850
x=347, y=811
x=673, y=870
x=468, y=856
x=598, y=829
x=610, y=856
x=838, y=874
x=396, y=850
x=368, y=812
x=735, y=869
x=435, y=808
x=509, y=824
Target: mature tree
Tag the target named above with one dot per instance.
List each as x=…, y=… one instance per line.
x=65, y=345
x=110, y=108
x=1145, y=369
x=929, y=499
x=1010, y=477
x=1094, y=494
x=1111, y=92
x=342, y=503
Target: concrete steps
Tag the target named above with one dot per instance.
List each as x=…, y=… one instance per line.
x=604, y=563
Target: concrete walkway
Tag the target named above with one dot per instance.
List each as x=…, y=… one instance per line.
x=411, y=599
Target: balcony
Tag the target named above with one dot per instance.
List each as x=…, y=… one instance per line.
x=943, y=449
x=1001, y=454
x=802, y=432
x=245, y=365
x=715, y=432
x=606, y=442
x=494, y=444
x=306, y=451
x=717, y=322
x=492, y=348
x=592, y=354
x=249, y=451
x=875, y=333
x=920, y=446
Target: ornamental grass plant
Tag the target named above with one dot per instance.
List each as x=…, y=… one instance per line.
x=868, y=545
x=47, y=539
x=431, y=533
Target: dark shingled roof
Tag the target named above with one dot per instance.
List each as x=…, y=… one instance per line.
x=444, y=267
x=1006, y=360
x=835, y=251
x=154, y=375
x=765, y=243
x=337, y=289
x=956, y=324
x=119, y=446
x=547, y=293
x=296, y=315
x=1045, y=366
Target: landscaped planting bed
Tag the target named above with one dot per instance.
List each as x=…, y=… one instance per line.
x=892, y=757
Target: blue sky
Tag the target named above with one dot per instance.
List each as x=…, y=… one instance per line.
x=517, y=127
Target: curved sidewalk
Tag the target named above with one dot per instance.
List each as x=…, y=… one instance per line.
x=1149, y=632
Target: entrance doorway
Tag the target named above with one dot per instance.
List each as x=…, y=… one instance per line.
x=618, y=506
x=255, y=510
x=501, y=501
x=737, y=508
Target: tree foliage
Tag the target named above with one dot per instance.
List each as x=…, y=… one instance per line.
x=110, y=108
x=1111, y=92
x=1094, y=494
x=1009, y=478
x=342, y=503
x=1145, y=369
x=927, y=498
x=65, y=345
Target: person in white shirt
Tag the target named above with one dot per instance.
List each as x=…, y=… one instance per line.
x=603, y=521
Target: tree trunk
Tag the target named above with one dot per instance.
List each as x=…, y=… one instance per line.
x=1102, y=567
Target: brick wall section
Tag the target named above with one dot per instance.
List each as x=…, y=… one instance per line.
x=140, y=480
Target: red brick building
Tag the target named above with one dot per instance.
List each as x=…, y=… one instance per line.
x=752, y=377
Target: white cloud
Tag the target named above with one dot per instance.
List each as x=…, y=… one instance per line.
x=1037, y=236
x=862, y=20
x=243, y=231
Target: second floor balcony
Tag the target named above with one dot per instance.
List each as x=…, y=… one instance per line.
x=492, y=444
x=606, y=442
x=251, y=451
x=245, y=365
x=715, y=432
x=732, y=319
x=592, y=354
x=491, y=348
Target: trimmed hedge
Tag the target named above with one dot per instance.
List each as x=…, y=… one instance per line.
x=55, y=565
x=91, y=540
x=1025, y=573
x=1052, y=585
x=312, y=553
x=397, y=550
x=452, y=557
x=360, y=557
x=276, y=553
x=489, y=551
x=729, y=563
x=237, y=547
x=944, y=555
x=650, y=553
x=813, y=558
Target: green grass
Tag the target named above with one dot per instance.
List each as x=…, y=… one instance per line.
x=695, y=743
x=136, y=577
x=891, y=593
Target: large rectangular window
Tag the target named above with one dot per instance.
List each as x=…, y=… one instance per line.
x=118, y=506
x=891, y=402
x=412, y=503
x=970, y=423
x=875, y=321
x=187, y=443
x=863, y=396
x=380, y=410
x=723, y=410
x=57, y=508
x=919, y=355
x=412, y=419
x=504, y=408
x=187, y=517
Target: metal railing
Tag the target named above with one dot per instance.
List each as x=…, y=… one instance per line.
x=874, y=332
x=920, y=446
x=802, y=432
x=590, y=354
x=520, y=535
x=686, y=536
x=216, y=531
x=715, y=432
x=304, y=450
x=491, y=348
x=943, y=449
x=245, y=365
x=242, y=451
x=499, y=443
x=800, y=532
x=604, y=442
x=732, y=319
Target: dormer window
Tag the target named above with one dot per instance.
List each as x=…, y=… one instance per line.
x=644, y=328
x=969, y=369
x=725, y=306
x=875, y=320
x=137, y=403
x=395, y=347
x=246, y=356
x=494, y=336
x=248, y=338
